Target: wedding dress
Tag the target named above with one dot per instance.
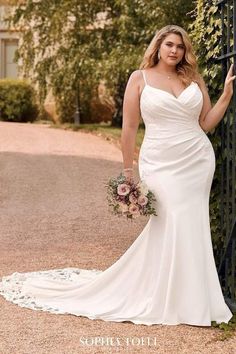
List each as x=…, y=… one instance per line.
x=168, y=275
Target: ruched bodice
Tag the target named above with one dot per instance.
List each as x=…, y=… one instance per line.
x=171, y=126
x=169, y=113
x=187, y=106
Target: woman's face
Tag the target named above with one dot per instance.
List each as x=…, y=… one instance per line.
x=172, y=49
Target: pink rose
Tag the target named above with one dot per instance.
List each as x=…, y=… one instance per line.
x=123, y=189
x=134, y=210
x=142, y=200
x=132, y=198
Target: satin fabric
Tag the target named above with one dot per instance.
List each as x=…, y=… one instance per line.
x=168, y=275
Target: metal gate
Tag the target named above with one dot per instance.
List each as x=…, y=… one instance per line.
x=227, y=264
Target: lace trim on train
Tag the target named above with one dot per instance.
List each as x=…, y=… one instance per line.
x=11, y=286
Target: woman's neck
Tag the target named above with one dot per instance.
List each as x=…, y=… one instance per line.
x=165, y=68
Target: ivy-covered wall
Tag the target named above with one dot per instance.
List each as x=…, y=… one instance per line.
x=206, y=34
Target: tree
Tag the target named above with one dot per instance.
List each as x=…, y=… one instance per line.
x=70, y=45
x=134, y=23
x=60, y=48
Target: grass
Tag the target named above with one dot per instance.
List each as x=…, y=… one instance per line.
x=228, y=329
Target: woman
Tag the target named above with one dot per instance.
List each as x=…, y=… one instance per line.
x=168, y=275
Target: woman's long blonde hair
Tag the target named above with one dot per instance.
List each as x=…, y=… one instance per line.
x=187, y=68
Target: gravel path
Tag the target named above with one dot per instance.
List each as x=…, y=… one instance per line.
x=53, y=214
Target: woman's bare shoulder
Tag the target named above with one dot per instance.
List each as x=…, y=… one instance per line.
x=136, y=81
x=136, y=77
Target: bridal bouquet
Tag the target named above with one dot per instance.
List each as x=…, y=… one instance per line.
x=130, y=199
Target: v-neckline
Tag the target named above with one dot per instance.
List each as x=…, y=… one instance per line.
x=168, y=93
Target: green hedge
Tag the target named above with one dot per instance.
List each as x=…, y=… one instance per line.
x=17, y=101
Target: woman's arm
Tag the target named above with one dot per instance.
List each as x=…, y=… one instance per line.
x=131, y=117
x=211, y=116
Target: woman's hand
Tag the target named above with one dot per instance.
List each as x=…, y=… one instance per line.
x=128, y=174
x=228, y=86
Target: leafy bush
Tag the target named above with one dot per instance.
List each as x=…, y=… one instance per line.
x=17, y=101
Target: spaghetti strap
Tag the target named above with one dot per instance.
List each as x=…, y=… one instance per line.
x=144, y=77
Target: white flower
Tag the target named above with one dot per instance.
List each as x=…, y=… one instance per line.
x=143, y=188
x=123, y=207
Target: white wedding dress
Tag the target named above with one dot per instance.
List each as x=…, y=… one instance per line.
x=168, y=275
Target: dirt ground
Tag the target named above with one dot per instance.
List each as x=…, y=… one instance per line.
x=53, y=214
